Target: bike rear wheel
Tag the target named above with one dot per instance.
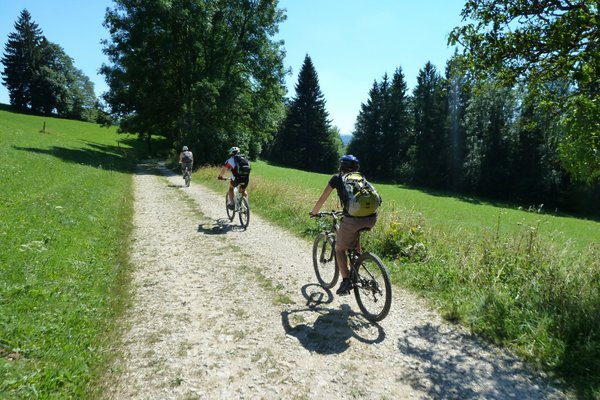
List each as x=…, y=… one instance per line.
x=187, y=179
x=372, y=289
x=244, y=213
x=230, y=213
x=324, y=260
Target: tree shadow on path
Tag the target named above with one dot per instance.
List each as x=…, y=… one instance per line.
x=450, y=364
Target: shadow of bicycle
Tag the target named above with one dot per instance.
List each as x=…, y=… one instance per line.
x=332, y=328
x=219, y=227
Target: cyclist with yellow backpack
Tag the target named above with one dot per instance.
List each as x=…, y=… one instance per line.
x=360, y=201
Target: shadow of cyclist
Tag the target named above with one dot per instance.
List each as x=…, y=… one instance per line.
x=219, y=227
x=332, y=330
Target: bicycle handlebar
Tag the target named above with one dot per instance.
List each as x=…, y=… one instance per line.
x=332, y=213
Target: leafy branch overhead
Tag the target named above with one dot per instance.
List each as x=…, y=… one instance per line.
x=543, y=43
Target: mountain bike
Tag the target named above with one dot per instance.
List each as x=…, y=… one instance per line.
x=240, y=206
x=187, y=176
x=369, y=276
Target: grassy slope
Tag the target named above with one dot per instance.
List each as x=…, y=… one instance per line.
x=65, y=211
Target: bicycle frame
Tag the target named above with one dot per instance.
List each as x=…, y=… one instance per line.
x=237, y=198
x=369, y=276
x=187, y=175
x=240, y=205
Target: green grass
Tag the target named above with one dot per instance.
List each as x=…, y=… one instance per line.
x=528, y=280
x=65, y=212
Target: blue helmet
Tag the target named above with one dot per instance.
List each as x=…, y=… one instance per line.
x=349, y=162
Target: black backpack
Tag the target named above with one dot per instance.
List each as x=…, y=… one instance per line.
x=242, y=165
x=187, y=157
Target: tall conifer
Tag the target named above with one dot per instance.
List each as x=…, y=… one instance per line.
x=21, y=61
x=431, y=144
x=306, y=140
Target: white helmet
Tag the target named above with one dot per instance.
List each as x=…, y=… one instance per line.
x=185, y=148
x=234, y=150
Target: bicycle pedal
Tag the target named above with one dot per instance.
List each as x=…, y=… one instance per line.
x=344, y=293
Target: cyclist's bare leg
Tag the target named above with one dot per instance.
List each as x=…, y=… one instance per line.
x=342, y=261
x=230, y=194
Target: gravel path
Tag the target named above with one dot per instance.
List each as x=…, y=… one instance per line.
x=222, y=313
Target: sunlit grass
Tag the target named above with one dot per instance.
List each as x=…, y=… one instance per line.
x=65, y=211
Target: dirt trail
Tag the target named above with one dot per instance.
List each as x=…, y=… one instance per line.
x=221, y=313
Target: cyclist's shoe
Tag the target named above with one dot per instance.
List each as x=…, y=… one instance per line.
x=345, y=287
x=230, y=206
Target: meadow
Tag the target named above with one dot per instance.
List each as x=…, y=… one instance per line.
x=65, y=215
x=522, y=277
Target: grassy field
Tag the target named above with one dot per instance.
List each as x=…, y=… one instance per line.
x=65, y=212
x=525, y=279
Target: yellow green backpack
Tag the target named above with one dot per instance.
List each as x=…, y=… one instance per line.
x=361, y=197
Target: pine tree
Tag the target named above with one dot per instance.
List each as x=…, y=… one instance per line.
x=489, y=137
x=41, y=78
x=366, y=139
x=306, y=140
x=22, y=61
x=459, y=86
x=397, y=133
x=430, y=111
x=382, y=133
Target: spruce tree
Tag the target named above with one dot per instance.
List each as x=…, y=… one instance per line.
x=366, y=138
x=40, y=76
x=397, y=134
x=489, y=137
x=22, y=61
x=430, y=111
x=306, y=140
x=382, y=132
x=458, y=86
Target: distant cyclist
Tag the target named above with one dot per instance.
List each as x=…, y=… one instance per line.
x=239, y=166
x=350, y=225
x=186, y=159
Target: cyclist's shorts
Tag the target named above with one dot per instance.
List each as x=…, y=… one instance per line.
x=241, y=181
x=347, y=233
x=184, y=164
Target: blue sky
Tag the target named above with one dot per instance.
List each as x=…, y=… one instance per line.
x=352, y=43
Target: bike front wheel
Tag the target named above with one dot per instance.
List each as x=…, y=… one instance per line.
x=244, y=213
x=230, y=213
x=372, y=288
x=324, y=260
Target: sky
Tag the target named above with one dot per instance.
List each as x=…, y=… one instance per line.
x=352, y=43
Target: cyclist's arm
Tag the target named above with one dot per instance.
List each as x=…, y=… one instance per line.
x=223, y=171
x=180, y=157
x=326, y=192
